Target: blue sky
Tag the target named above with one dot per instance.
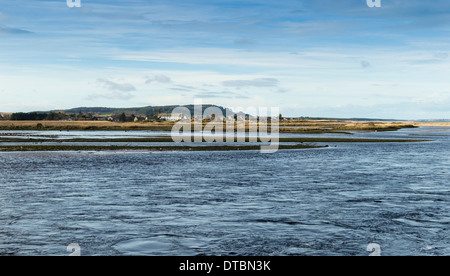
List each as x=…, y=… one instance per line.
x=307, y=57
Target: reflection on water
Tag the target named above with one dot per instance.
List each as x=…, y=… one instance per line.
x=332, y=201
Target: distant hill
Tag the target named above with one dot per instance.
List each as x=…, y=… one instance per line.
x=147, y=110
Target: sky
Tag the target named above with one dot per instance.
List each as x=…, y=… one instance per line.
x=318, y=58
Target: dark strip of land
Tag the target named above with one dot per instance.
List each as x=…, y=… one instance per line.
x=150, y=149
x=205, y=139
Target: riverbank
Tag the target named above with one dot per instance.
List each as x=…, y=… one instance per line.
x=205, y=140
x=297, y=126
x=148, y=149
x=432, y=124
x=151, y=144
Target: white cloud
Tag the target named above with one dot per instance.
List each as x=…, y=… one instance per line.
x=111, y=96
x=159, y=79
x=433, y=98
x=220, y=95
x=365, y=64
x=260, y=82
x=114, y=86
x=440, y=55
x=12, y=31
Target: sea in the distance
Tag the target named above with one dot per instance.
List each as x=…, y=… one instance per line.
x=328, y=201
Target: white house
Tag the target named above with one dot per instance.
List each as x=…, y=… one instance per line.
x=173, y=117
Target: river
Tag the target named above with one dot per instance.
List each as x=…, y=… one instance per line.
x=327, y=201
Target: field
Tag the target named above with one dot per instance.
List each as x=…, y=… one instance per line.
x=82, y=125
x=432, y=124
x=298, y=126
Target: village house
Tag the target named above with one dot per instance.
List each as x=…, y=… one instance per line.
x=112, y=119
x=140, y=119
x=173, y=117
x=5, y=116
x=215, y=117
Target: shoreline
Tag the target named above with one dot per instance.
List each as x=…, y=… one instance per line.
x=300, y=143
x=169, y=140
x=38, y=142
x=432, y=124
x=35, y=142
x=28, y=148
x=298, y=126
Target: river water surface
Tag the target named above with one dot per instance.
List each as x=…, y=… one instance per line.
x=329, y=201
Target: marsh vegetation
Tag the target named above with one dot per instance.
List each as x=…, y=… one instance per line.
x=297, y=126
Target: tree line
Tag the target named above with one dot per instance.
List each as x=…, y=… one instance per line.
x=40, y=116
x=33, y=116
x=61, y=116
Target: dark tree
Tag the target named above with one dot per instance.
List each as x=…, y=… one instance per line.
x=122, y=118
